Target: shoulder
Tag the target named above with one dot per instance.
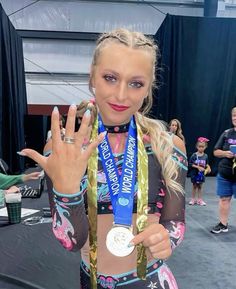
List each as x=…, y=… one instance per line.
x=194, y=155
x=227, y=132
x=179, y=144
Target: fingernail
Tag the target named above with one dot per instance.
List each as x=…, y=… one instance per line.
x=104, y=133
x=21, y=154
x=55, y=109
x=131, y=244
x=73, y=105
x=87, y=113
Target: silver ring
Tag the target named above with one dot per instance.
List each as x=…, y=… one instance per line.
x=69, y=140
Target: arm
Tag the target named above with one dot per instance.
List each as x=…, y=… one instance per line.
x=66, y=166
x=7, y=181
x=192, y=161
x=70, y=223
x=219, y=150
x=223, y=154
x=173, y=212
x=161, y=238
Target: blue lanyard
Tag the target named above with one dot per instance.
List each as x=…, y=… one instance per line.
x=122, y=187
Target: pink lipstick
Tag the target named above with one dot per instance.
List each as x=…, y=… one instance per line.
x=117, y=107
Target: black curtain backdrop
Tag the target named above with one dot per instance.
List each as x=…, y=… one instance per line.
x=197, y=77
x=13, y=102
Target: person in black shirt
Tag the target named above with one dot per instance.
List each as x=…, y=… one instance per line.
x=198, y=165
x=226, y=178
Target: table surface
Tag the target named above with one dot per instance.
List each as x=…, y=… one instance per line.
x=31, y=257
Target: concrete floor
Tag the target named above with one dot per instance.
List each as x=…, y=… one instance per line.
x=205, y=260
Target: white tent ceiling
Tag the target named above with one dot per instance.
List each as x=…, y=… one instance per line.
x=57, y=69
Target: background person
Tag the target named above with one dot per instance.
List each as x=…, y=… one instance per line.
x=175, y=128
x=199, y=167
x=7, y=183
x=226, y=178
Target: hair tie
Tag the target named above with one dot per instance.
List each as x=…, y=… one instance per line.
x=92, y=101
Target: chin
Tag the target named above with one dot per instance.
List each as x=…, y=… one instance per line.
x=116, y=119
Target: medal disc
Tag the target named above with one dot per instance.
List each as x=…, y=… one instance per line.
x=117, y=241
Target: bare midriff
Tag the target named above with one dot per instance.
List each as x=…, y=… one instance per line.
x=109, y=264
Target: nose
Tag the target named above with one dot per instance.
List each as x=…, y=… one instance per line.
x=121, y=93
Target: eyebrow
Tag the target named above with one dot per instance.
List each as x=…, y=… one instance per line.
x=117, y=74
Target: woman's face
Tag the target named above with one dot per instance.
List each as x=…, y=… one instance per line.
x=121, y=78
x=173, y=126
x=234, y=119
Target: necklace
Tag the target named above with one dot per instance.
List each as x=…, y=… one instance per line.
x=117, y=128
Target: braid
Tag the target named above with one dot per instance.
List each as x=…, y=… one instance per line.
x=134, y=39
x=153, y=128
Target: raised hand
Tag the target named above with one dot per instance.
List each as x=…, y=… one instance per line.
x=67, y=163
x=156, y=238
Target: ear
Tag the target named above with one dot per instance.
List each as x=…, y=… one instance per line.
x=91, y=83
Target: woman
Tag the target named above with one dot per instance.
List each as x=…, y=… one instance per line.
x=175, y=128
x=226, y=178
x=132, y=185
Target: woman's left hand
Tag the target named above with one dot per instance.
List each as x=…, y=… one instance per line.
x=156, y=238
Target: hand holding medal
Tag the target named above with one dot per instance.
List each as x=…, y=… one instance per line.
x=156, y=238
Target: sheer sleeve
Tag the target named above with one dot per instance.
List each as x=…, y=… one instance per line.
x=173, y=211
x=70, y=222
